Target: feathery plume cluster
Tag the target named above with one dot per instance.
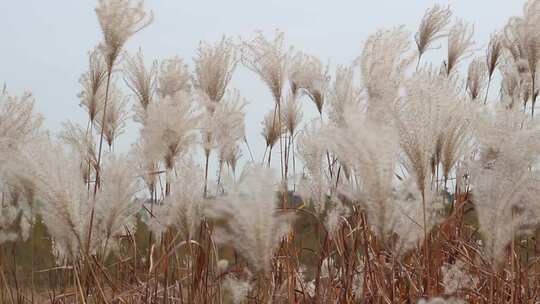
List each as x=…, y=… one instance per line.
x=476, y=78
x=460, y=41
x=170, y=128
x=409, y=188
x=312, y=145
x=173, y=77
x=271, y=130
x=523, y=42
x=382, y=65
x=82, y=145
x=494, y=53
x=371, y=158
x=183, y=209
x=20, y=128
x=269, y=59
x=65, y=200
x=456, y=278
x=342, y=96
x=115, y=118
x=230, y=125
x=119, y=20
x=253, y=225
x=505, y=183
x=214, y=68
x=142, y=82
x=115, y=206
x=441, y=301
x=18, y=121
x=93, y=85
x=431, y=28
x=224, y=126
x=513, y=89
x=239, y=289
x=419, y=121
x=292, y=114
x=309, y=75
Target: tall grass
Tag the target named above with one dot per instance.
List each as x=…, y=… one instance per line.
x=412, y=184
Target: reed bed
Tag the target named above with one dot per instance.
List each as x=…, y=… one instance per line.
x=415, y=182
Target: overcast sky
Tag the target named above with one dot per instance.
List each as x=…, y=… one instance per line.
x=44, y=44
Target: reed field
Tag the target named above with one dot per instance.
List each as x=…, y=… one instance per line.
x=417, y=181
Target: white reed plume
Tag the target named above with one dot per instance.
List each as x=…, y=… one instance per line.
x=8, y=218
x=494, y=55
x=116, y=116
x=292, y=114
x=308, y=74
x=93, y=85
x=460, y=41
x=409, y=218
x=523, y=41
x=170, y=127
x=269, y=59
x=225, y=123
x=142, y=81
x=17, y=211
x=75, y=136
x=119, y=20
x=431, y=28
x=454, y=140
x=20, y=128
x=442, y=301
x=239, y=289
x=223, y=127
x=418, y=122
x=214, y=68
x=382, y=66
x=115, y=207
x=19, y=123
x=476, y=78
x=229, y=119
x=511, y=83
x=253, y=226
x=232, y=156
x=315, y=185
x=183, y=209
x=342, y=95
x=65, y=202
x=371, y=158
x=272, y=131
x=173, y=77
x=505, y=183
x=455, y=278
x=147, y=163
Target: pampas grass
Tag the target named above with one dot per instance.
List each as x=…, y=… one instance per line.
x=404, y=187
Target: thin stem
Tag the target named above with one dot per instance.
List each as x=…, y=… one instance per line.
x=97, y=181
x=207, y=158
x=487, y=90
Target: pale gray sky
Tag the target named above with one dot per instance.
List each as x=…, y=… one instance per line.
x=44, y=43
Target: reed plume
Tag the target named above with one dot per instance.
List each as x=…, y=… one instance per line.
x=309, y=75
x=476, y=78
x=173, y=77
x=460, y=41
x=431, y=28
x=142, y=81
x=253, y=226
x=119, y=20
x=269, y=59
x=93, y=85
x=214, y=68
